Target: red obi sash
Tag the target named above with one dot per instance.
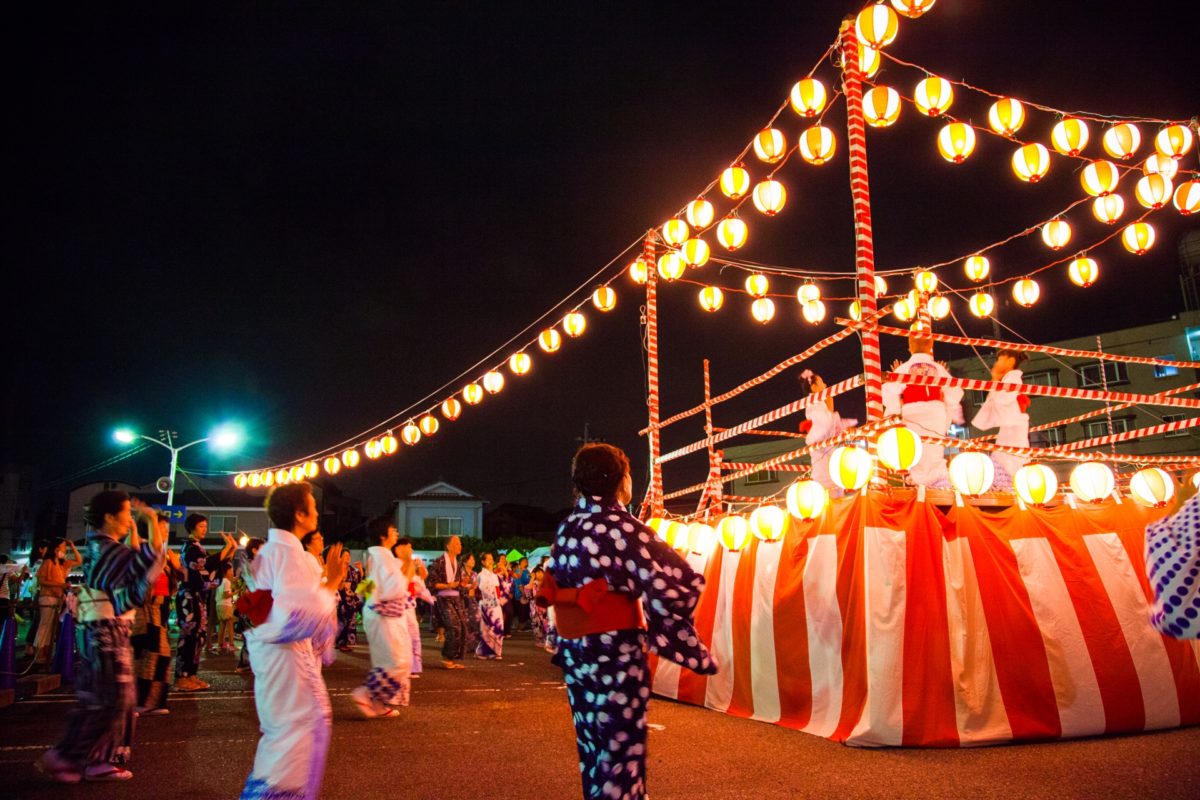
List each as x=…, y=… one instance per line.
x=255, y=606
x=591, y=608
x=1023, y=402
x=920, y=394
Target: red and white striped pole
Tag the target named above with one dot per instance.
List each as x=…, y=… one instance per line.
x=653, y=503
x=864, y=248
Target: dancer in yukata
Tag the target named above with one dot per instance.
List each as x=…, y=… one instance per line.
x=538, y=617
x=822, y=423
x=385, y=616
x=928, y=410
x=446, y=582
x=470, y=598
x=403, y=550
x=1006, y=410
x=1173, y=567
x=603, y=562
x=491, y=618
x=293, y=613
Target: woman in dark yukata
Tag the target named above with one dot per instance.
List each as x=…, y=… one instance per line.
x=604, y=561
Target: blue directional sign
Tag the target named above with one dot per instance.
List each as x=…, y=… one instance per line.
x=176, y=513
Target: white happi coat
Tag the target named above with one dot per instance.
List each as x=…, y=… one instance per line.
x=388, y=637
x=286, y=651
x=1001, y=410
x=826, y=423
x=926, y=417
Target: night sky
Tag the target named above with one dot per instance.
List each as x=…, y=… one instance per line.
x=307, y=218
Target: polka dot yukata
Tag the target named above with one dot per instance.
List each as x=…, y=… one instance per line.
x=1173, y=566
x=608, y=682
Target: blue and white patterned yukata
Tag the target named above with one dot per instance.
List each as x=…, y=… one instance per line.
x=607, y=677
x=1173, y=566
x=491, y=618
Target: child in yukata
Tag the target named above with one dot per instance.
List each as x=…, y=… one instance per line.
x=1006, y=410
x=822, y=422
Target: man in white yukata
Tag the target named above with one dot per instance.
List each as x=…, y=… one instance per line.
x=1006, y=410
x=294, y=616
x=927, y=410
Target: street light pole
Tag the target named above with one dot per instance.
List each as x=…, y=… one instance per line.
x=221, y=437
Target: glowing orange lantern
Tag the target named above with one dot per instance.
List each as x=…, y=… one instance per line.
x=429, y=424
x=699, y=213
x=817, y=145
x=1100, y=178
x=1158, y=164
x=807, y=499
x=520, y=363
x=574, y=324
x=388, y=443
x=880, y=286
x=938, y=306
x=283, y=476
x=1035, y=484
x=1006, y=116
x=977, y=267
x=933, y=96
x=1108, y=209
x=881, y=106
x=1056, y=234
x=549, y=340
x=638, y=271
x=766, y=522
x=850, y=467
x=770, y=146
x=411, y=434
x=1153, y=191
x=1138, y=237
x=604, y=299
x=1031, y=162
x=671, y=266
x=1122, y=141
x=493, y=382
x=373, y=449
x=732, y=233
x=808, y=97
x=1083, y=271
x=472, y=393
x=1187, y=197
x=711, y=298
x=350, y=458
x=1152, y=487
x=332, y=465
x=813, y=311
x=735, y=182
x=904, y=310
x=956, y=141
x=982, y=304
x=763, y=310
x=913, y=8
x=1092, y=481
x=701, y=538
x=876, y=25
x=241, y=480
x=734, y=532
x=1026, y=292
x=1069, y=136
x=926, y=281
x=451, y=409
x=1174, y=141
x=770, y=197
x=757, y=285
x=808, y=293
x=899, y=448
x=869, y=60
x=675, y=232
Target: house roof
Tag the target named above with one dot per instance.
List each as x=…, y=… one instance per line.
x=441, y=490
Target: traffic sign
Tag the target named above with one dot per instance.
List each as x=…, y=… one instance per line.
x=175, y=513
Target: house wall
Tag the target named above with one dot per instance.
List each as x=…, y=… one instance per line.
x=411, y=515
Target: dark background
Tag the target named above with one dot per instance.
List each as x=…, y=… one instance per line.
x=308, y=218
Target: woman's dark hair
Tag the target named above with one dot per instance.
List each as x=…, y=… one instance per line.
x=404, y=540
x=806, y=382
x=192, y=521
x=285, y=502
x=39, y=550
x=58, y=543
x=377, y=528
x=253, y=545
x=537, y=571
x=598, y=470
x=307, y=538
x=1019, y=357
x=103, y=504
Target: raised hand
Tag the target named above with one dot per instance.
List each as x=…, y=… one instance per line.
x=335, y=569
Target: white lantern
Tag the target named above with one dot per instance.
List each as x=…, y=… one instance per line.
x=1174, y=141
x=701, y=538
x=493, y=382
x=1152, y=487
x=808, y=97
x=1035, y=484
x=972, y=473
x=734, y=532
x=850, y=467
x=1026, y=292
x=1092, y=481
x=574, y=324
x=1006, y=116
x=813, y=311
x=767, y=521
x=1056, y=234
x=763, y=310
x=807, y=499
x=699, y=213
x=1122, y=141
x=933, y=96
x=732, y=233
x=899, y=448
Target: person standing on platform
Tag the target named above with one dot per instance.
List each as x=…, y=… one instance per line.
x=618, y=591
x=201, y=573
x=822, y=422
x=1006, y=410
x=445, y=581
x=293, y=616
x=927, y=410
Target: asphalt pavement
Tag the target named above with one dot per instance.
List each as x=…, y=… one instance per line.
x=502, y=729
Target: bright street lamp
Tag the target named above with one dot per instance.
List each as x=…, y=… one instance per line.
x=223, y=438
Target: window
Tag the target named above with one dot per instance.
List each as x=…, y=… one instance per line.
x=1094, y=376
x=1045, y=377
x=1175, y=434
x=222, y=524
x=442, y=526
x=1099, y=427
x=762, y=476
x=1164, y=371
x=1054, y=436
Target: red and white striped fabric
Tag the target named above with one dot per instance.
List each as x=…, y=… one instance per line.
x=887, y=622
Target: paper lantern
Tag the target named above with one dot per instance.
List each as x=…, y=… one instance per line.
x=731, y=233
x=658, y=525
x=1056, y=234
x=1122, y=141
x=308, y=469
x=699, y=213
x=1026, y=292
x=674, y=534
x=268, y=478
x=1006, y=116
x=1174, y=141
x=493, y=382
x=671, y=266
x=1069, y=136
x=332, y=465
x=388, y=443
x=675, y=232
x=1158, y=164
x=933, y=96
x=1152, y=487
x=428, y=424
x=1187, y=197
x=574, y=324
x=926, y=281
x=956, y=141
x=869, y=60
x=451, y=409
x=817, y=145
x=1083, y=271
x=807, y=499
x=972, y=473
x=904, y=310
x=766, y=522
x=701, y=538
x=255, y=479
x=283, y=476
x=813, y=311
x=411, y=434
x=1100, y=178
x=604, y=299
x=734, y=532
x=1035, y=484
x=881, y=286
x=763, y=310
x=735, y=182
x=881, y=106
x=1138, y=237
x=808, y=97
x=938, y=307
x=1092, y=481
x=1108, y=209
x=1031, y=162
x=241, y=481
x=638, y=271
x=855, y=310
x=549, y=340
x=350, y=458
x=769, y=197
x=1196, y=480
x=876, y=25
x=770, y=146
x=711, y=298
x=472, y=393
x=757, y=285
x=520, y=363
x=977, y=267
x=913, y=8
x=850, y=467
x=1153, y=191
x=899, y=448
x=373, y=449
x=982, y=304
x=808, y=293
